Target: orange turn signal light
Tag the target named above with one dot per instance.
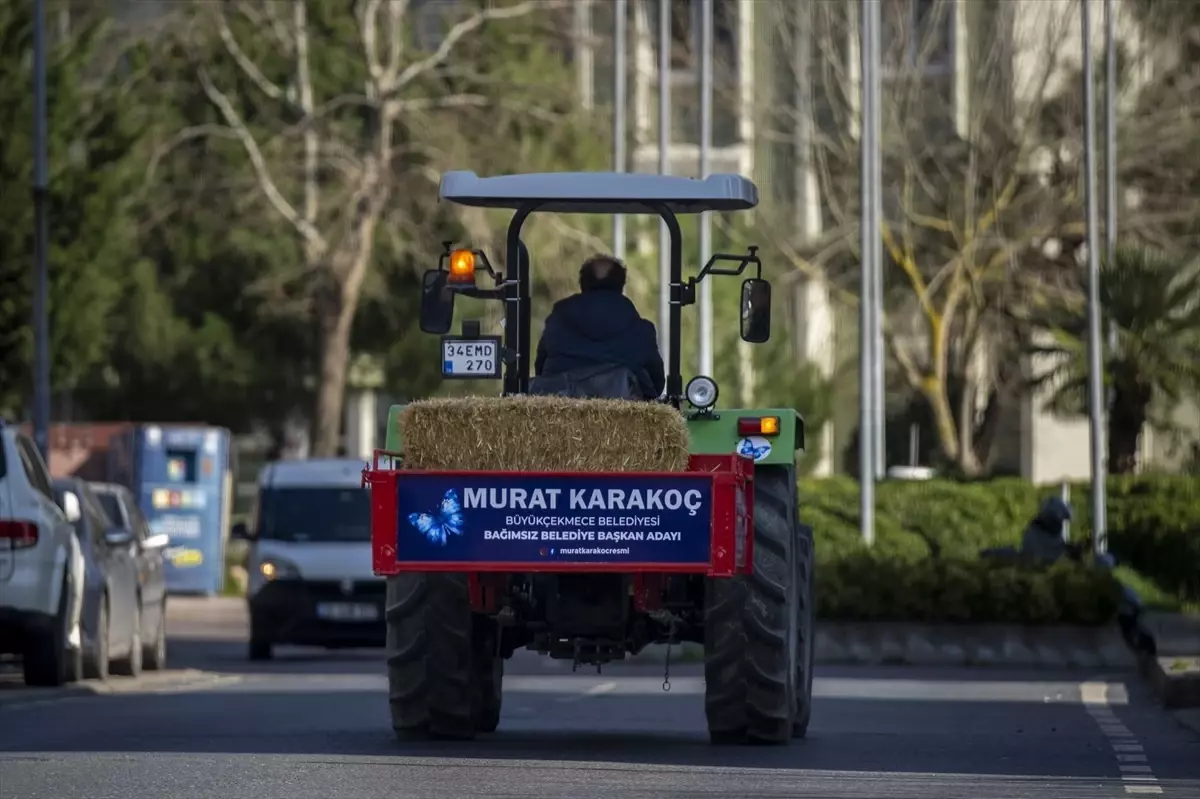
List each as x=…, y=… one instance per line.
x=758, y=426
x=462, y=266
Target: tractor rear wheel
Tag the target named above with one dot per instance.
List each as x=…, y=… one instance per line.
x=488, y=684
x=429, y=656
x=806, y=566
x=752, y=626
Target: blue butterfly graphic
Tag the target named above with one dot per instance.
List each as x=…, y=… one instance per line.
x=751, y=450
x=447, y=520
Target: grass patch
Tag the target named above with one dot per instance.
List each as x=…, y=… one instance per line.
x=1152, y=595
x=235, y=558
x=232, y=588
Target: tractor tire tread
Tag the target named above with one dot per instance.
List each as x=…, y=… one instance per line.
x=769, y=713
x=806, y=645
x=429, y=656
x=747, y=627
x=488, y=686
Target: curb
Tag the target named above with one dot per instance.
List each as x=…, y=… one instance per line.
x=148, y=683
x=887, y=643
x=1168, y=649
x=1175, y=680
x=1189, y=718
x=21, y=696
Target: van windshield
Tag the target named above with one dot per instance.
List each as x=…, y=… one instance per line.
x=315, y=514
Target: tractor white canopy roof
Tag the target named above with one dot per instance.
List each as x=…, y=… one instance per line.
x=601, y=192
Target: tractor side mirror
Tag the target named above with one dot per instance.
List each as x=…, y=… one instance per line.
x=437, y=302
x=756, y=310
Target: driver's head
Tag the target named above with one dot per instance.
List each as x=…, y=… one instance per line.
x=602, y=272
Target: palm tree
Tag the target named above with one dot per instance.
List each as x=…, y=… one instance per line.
x=1152, y=298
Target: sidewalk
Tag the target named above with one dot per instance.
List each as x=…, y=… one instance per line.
x=14, y=693
x=220, y=618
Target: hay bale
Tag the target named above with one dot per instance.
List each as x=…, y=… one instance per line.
x=541, y=434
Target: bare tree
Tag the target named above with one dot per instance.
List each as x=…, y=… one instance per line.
x=975, y=183
x=359, y=140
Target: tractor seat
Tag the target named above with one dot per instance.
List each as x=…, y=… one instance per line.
x=590, y=382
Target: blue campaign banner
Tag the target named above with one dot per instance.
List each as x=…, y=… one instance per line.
x=530, y=518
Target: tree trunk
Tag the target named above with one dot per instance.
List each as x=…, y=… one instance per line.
x=334, y=320
x=963, y=458
x=1125, y=422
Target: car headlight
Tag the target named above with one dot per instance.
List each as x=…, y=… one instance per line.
x=277, y=569
x=701, y=392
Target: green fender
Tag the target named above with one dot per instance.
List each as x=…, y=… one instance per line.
x=717, y=434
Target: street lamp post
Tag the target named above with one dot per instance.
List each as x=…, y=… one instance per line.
x=620, y=92
x=705, y=332
x=1110, y=148
x=869, y=440
x=664, y=144
x=1094, y=341
x=872, y=134
x=41, y=240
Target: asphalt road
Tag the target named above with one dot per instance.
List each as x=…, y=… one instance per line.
x=314, y=724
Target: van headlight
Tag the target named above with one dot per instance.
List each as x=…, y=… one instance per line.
x=277, y=569
x=268, y=570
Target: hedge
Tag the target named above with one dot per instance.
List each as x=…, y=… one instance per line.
x=869, y=587
x=1154, y=522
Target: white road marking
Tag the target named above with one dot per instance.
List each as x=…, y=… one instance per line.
x=1136, y=773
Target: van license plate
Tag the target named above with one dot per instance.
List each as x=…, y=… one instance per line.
x=347, y=611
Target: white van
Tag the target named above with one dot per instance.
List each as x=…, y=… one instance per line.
x=310, y=577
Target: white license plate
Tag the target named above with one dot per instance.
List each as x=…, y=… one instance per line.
x=347, y=611
x=470, y=358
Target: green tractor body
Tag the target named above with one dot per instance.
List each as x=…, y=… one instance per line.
x=746, y=595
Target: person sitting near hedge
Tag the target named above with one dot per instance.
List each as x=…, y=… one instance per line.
x=1044, y=540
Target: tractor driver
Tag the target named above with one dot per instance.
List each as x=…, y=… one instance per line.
x=600, y=327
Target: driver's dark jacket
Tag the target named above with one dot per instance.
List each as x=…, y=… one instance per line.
x=601, y=328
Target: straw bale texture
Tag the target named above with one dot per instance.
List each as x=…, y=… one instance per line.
x=541, y=434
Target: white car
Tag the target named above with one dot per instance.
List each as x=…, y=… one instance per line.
x=41, y=568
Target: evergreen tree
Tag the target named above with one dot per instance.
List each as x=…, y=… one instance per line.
x=94, y=128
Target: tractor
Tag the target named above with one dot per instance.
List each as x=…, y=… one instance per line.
x=735, y=577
